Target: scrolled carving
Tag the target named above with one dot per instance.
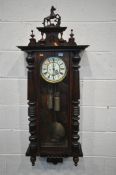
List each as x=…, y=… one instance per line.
x=55, y=160
x=76, y=60
x=30, y=60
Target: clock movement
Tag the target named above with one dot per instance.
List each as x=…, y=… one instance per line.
x=53, y=93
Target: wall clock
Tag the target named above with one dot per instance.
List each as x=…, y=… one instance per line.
x=53, y=93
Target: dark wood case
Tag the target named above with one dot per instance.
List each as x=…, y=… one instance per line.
x=45, y=123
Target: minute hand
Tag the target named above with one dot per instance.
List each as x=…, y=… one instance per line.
x=53, y=68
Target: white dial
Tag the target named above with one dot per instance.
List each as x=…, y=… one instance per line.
x=53, y=69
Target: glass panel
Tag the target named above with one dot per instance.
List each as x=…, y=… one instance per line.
x=54, y=113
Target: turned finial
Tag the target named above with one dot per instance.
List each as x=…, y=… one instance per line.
x=72, y=34
x=32, y=35
x=32, y=39
x=72, y=39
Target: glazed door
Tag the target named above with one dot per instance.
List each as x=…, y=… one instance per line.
x=54, y=107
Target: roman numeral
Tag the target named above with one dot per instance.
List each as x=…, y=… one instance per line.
x=48, y=76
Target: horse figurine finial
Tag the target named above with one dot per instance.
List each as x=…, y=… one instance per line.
x=56, y=17
x=52, y=9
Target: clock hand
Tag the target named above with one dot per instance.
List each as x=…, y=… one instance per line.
x=55, y=71
x=53, y=68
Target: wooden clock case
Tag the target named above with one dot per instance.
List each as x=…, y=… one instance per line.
x=53, y=44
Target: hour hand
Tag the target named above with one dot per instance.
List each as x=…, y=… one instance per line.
x=56, y=72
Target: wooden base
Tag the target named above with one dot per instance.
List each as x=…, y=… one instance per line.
x=55, y=160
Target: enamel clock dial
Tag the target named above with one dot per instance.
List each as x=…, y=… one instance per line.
x=53, y=69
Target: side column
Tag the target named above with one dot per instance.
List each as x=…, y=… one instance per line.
x=76, y=146
x=31, y=97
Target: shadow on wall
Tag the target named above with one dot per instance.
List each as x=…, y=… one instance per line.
x=85, y=70
x=18, y=68
x=21, y=166
x=44, y=168
x=85, y=74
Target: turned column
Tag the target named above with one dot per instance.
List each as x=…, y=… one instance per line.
x=76, y=146
x=32, y=149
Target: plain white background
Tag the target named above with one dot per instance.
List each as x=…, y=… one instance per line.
x=94, y=23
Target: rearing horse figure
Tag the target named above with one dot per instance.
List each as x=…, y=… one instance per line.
x=52, y=15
